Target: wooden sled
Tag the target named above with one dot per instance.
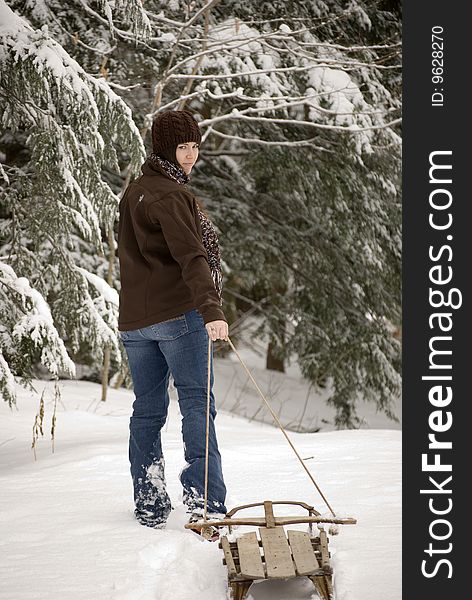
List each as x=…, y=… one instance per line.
x=276, y=553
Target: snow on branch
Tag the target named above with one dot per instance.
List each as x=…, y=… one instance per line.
x=162, y=19
x=353, y=128
x=214, y=77
x=53, y=79
x=108, y=293
x=142, y=39
x=238, y=93
x=308, y=142
x=26, y=320
x=131, y=11
x=329, y=80
x=7, y=380
x=344, y=65
x=41, y=83
x=101, y=309
x=75, y=127
x=350, y=48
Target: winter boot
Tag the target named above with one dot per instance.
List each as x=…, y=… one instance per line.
x=208, y=532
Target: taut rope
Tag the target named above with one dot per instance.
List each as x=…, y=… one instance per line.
x=207, y=431
x=274, y=415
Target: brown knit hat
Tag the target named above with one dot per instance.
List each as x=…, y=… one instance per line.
x=171, y=128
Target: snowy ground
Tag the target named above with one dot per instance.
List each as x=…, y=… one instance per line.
x=68, y=530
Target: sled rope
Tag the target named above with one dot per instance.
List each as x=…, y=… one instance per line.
x=275, y=417
x=207, y=431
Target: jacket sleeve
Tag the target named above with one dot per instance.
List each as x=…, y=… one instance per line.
x=177, y=215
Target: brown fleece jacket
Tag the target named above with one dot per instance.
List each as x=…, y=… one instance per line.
x=164, y=268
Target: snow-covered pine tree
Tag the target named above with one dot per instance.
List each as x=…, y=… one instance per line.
x=61, y=130
x=310, y=213
x=274, y=83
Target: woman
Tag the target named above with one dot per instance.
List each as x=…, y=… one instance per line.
x=170, y=304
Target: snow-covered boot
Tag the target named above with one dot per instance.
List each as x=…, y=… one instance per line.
x=207, y=532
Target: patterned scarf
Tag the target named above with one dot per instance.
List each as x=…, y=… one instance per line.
x=209, y=235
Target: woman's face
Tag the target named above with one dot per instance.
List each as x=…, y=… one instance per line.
x=186, y=155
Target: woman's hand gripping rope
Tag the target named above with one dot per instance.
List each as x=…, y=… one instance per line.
x=217, y=330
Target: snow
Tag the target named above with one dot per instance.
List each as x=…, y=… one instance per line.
x=10, y=22
x=68, y=529
x=247, y=55
x=232, y=32
x=108, y=293
x=168, y=37
x=340, y=90
x=20, y=41
x=361, y=15
x=36, y=324
x=297, y=406
x=6, y=375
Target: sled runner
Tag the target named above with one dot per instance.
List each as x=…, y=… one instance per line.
x=276, y=553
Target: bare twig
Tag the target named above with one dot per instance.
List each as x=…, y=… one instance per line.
x=198, y=62
x=307, y=142
x=57, y=396
x=38, y=423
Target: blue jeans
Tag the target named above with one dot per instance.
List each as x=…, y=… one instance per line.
x=178, y=346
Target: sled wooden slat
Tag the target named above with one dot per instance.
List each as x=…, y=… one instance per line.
x=324, y=549
x=250, y=561
x=277, y=553
x=302, y=552
x=228, y=557
x=315, y=544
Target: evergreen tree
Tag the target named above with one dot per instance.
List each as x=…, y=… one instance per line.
x=62, y=129
x=299, y=104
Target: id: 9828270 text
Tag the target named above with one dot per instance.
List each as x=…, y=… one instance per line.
x=437, y=65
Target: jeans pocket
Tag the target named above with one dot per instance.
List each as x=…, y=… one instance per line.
x=170, y=329
x=130, y=335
